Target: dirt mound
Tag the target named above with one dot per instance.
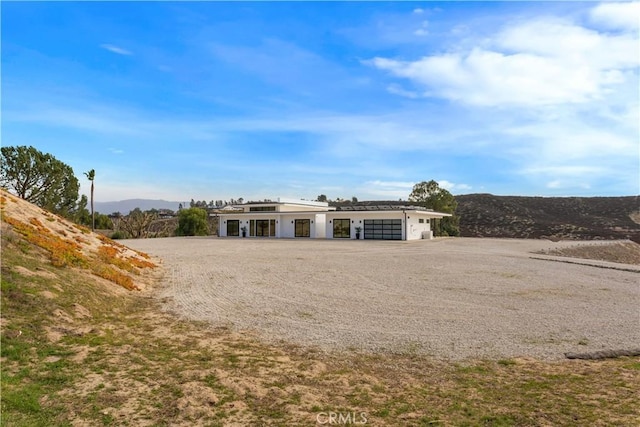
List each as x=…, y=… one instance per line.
x=620, y=252
x=69, y=244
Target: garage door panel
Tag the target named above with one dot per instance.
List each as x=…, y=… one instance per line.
x=383, y=229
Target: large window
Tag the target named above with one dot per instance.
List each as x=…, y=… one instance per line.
x=383, y=229
x=262, y=208
x=265, y=227
x=233, y=227
x=341, y=228
x=303, y=228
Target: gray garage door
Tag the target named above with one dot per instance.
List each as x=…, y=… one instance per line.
x=383, y=229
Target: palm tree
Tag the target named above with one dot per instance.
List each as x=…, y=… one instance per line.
x=91, y=175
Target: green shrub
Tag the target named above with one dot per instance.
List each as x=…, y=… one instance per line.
x=118, y=235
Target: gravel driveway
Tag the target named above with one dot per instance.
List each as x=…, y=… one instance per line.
x=451, y=298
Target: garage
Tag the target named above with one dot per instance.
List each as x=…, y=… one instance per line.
x=383, y=229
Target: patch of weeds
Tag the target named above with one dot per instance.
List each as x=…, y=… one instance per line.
x=506, y=362
x=428, y=421
x=382, y=412
x=304, y=315
x=472, y=369
x=498, y=421
x=633, y=365
x=232, y=359
x=295, y=398
x=359, y=398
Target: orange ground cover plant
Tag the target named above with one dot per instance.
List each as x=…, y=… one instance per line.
x=62, y=252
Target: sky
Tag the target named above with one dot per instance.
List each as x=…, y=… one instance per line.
x=219, y=100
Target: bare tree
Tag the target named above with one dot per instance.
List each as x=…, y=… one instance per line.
x=137, y=223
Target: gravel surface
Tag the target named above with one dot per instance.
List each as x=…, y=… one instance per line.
x=450, y=298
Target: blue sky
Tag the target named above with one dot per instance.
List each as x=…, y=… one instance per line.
x=212, y=100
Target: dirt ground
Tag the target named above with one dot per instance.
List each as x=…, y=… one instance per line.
x=451, y=298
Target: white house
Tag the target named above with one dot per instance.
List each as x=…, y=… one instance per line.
x=288, y=218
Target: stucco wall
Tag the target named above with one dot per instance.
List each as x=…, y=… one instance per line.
x=416, y=230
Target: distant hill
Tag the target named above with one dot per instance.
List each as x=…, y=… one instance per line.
x=486, y=215
x=125, y=206
x=577, y=218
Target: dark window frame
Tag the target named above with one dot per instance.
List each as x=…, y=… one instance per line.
x=231, y=232
x=302, y=228
x=340, y=231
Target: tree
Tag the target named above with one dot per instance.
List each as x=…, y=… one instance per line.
x=430, y=195
x=137, y=223
x=354, y=199
x=322, y=198
x=81, y=215
x=39, y=178
x=91, y=176
x=192, y=222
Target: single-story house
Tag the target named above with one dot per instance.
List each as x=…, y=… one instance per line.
x=288, y=218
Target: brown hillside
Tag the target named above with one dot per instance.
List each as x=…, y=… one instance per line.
x=69, y=244
x=587, y=218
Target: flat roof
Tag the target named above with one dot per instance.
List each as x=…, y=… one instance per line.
x=336, y=212
x=285, y=201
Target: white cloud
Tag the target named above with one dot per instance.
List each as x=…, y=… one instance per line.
x=617, y=15
x=422, y=31
x=116, y=49
x=539, y=62
x=398, y=90
x=452, y=187
x=418, y=11
x=392, y=184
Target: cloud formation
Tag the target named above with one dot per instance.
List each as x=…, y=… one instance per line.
x=116, y=49
x=540, y=62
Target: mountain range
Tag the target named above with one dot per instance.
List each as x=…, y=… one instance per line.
x=126, y=206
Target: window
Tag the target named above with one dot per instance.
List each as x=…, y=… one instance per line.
x=421, y=220
x=262, y=209
x=341, y=228
x=303, y=228
x=233, y=227
x=264, y=227
x=383, y=229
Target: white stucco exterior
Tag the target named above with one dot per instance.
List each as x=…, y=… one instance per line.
x=303, y=219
